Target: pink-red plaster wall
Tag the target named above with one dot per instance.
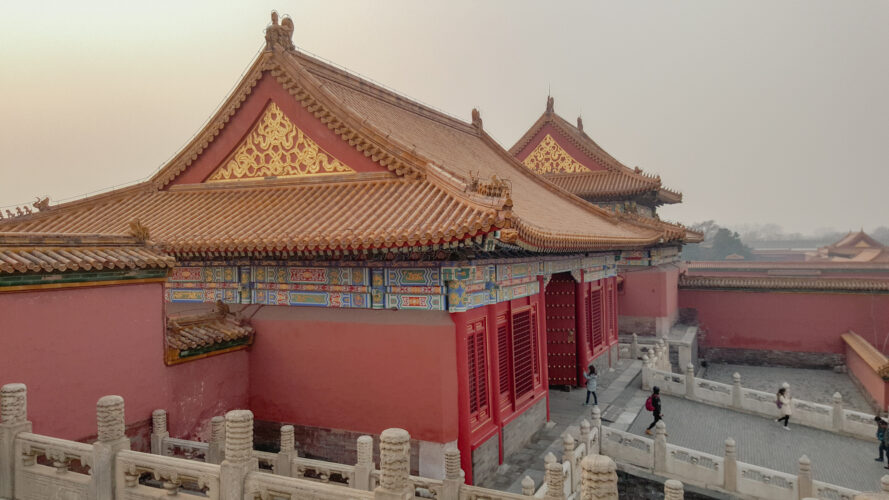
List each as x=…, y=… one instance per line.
x=804, y=322
x=72, y=346
x=362, y=370
x=876, y=387
x=649, y=292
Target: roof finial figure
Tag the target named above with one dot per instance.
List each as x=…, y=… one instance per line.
x=41, y=204
x=476, y=118
x=550, y=103
x=580, y=124
x=279, y=34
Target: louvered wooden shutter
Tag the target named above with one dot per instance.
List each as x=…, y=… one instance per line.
x=523, y=354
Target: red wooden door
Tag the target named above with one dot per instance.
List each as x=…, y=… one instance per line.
x=561, y=332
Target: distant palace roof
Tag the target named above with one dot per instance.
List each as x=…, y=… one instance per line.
x=590, y=172
x=306, y=157
x=854, y=247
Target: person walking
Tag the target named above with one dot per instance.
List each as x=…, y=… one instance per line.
x=782, y=400
x=592, y=381
x=881, y=435
x=653, y=404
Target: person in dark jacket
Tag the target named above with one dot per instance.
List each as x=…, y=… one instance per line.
x=881, y=435
x=656, y=405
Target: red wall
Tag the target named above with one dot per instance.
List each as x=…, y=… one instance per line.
x=107, y=340
x=649, y=292
x=804, y=322
x=868, y=378
x=361, y=370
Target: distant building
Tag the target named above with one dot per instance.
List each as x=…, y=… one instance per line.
x=854, y=247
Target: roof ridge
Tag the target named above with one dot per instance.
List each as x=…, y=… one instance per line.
x=377, y=90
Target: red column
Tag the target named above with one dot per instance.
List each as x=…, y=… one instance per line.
x=541, y=342
x=580, y=336
x=463, y=438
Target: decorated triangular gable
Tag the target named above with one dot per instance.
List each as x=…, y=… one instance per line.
x=272, y=136
x=549, y=152
x=275, y=147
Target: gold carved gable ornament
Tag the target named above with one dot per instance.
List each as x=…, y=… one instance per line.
x=277, y=148
x=549, y=158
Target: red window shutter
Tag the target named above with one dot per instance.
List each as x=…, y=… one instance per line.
x=596, y=326
x=503, y=356
x=473, y=382
x=523, y=355
x=478, y=375
x=535, y=354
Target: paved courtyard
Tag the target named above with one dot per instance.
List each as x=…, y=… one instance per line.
x=811, y=385
x=836, y=459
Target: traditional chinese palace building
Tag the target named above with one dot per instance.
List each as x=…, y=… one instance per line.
x=566, y=156
x=348, y=260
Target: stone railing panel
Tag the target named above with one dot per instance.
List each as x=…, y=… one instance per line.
x=695, y=465
x=52, y=478
x=324, y=472
x=813, y=414
x=264, y=486
x=626, y=447
x=183, y=448
x=859, y=424
x=669, y=383
x=146, y=476
x=827, y=491
x=468, y=492
x=760, y=482
x=267, y=460
x=713, y=392
x=760, y=402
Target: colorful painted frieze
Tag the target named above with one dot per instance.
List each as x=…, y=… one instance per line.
x=413, y=277
x=664, y=255
x=311, y=275
x=518, y=291
x=419, y=302
x=227, y=295
x=634, y=258
x=204, y=274
x=311, y=299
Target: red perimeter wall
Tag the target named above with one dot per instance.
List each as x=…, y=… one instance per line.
x=804, y=322
x=362, y=370
x=108, y=340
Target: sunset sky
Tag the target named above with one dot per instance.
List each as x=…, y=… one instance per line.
x=758, y=111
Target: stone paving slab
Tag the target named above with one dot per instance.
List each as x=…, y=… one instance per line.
x=811, y=385
x=566, y=412
x=836, y=459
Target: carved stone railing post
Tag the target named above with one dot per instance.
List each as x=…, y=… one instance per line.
x=804, y=479
x=239, y=459
x=839, y=415
x=690, y=381
x=13, y=420
x=569, y=456
x=159, y=431
x=673, y=490
x=663, y=356
x=660, y=447
x=528, y=486
x=634, y=347
x=111, y=424
x=453, y=475
x=216, y=447
x=287, y=452
x=586, y=436
x=737, y=391
x=394, y=466
x=365, y=464
x=599, y=478
x=884, y=484
x=646, y=372
x=730, y=466
x=596, y=426
x=555, y=483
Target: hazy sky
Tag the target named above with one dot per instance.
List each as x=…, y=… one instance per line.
x=758, y=111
